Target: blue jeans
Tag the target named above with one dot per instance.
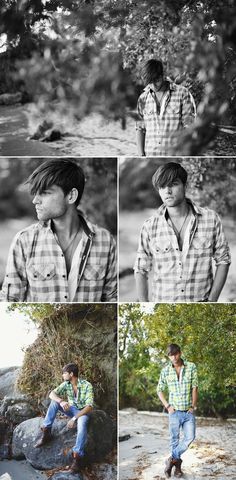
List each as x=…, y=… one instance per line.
x=186, y=421
x=82, y=421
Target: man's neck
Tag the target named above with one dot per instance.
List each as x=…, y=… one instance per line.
x=67, y=224
x=178, y=210
x=74, y=381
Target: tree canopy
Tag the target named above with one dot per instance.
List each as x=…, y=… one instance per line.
x=206, y=334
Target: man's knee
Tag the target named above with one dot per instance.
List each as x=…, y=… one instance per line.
x=82, y=421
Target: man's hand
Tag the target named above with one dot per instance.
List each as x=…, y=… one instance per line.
x=171, y=409
x=191, y=410
x=71, y=423
x=65, y=405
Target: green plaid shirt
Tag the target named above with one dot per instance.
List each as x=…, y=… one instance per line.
x=180, y=390
x=85, y=393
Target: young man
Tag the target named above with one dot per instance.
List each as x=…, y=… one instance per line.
x=180, y=378
x=62, y=258
x=164, y=109
x=79, y=404
x=178, y=243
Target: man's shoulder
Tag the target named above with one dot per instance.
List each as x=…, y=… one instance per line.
x=28, y=231
x=190, y=365
x=157, y=215
x=166, y=369
x=85, y=383
x=99, y=232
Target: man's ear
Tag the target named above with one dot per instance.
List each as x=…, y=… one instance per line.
x=72, y=195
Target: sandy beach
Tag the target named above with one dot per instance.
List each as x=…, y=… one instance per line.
x=142, y=456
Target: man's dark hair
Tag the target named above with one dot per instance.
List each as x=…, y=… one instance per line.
x=71, y=367
x=152, y=71
x=172, y=349
x=166, y=174
x=61, y=172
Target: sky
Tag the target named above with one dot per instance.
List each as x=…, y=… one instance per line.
x=16, y=332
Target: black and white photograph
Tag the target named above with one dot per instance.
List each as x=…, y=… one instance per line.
x=56, y=244
x=177, y=229
x=108, y=78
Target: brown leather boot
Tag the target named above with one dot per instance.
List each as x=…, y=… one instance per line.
x=169, y=466
x=178, y=472
x=76, y=463
x=45, y=438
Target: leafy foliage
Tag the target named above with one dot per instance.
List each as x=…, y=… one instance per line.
x=207, y=336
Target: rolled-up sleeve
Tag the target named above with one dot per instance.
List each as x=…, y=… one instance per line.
x=140, y=124
x=162, y=384
x=109, y=293
x=143, y=262
x=221, y=252
x=188, y=109
x=15, y=281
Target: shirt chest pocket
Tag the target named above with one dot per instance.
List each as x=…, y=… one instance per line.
x=163, y=254
x=94, y=272
x=42, y=272
x=160, y=247
x=202, y=244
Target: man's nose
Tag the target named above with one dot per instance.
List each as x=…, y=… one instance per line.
x=36, y=199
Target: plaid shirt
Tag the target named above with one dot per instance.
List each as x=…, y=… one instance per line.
x=175, y=278
x=85, y=393
x=180, y=390
x=36, y=267
x=162, y=123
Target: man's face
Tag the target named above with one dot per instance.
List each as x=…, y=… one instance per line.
x=175, y=358
x=66, y=376
x=173, y=194
x=158, y=83
x=51, y=203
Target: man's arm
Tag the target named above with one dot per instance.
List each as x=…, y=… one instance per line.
x=15, y=282
x=188, y=109
x=141, y=279
x=140, y=140
x=109, y=293
x=164, y=402
x=194, y=399
x=218, y=282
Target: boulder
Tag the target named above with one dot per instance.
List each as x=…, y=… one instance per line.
x=8, y=379
x=5, y=476
x=17, y=408
x=6, y=430
x=67, y=476
x=58, y=452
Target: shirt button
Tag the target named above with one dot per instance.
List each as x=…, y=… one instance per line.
x=180, y=277
x=182, y=290
x=65, y=296
x=48, y=275
x=63, y=276
x=177, y=249
x=180, y=263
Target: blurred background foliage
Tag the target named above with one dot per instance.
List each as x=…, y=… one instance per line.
x=100, y=195
x=78, y=57
x=206, y=334
x=82, y=333
x=211, y=183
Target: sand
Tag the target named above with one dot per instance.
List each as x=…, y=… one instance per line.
x=142, y=457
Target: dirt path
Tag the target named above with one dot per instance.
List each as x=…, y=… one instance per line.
x=142, y=457
x=91, y=137
x=14, y=134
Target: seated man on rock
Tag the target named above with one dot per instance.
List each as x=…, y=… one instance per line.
x=79, y=404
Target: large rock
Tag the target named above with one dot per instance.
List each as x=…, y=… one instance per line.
x=58, y=452
x=67, y=476
x=17, y=408
x=5, y=476
x=8, y=379
x=10, y=98
x=6, y=430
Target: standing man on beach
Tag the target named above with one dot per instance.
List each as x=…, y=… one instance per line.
x=77, y=407
x=178, y=244
x=62, y=258
x=180, y=378
x=164, y=109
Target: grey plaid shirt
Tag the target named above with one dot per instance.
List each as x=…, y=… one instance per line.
x=162, y=125
x=176, y=279
x=36, y=268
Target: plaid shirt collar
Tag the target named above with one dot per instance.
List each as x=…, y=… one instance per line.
x=162, y=210
x=88, y=227
x=170, y=86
